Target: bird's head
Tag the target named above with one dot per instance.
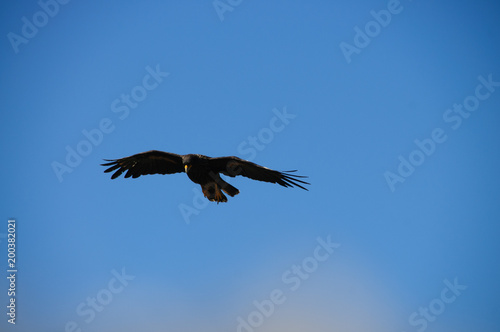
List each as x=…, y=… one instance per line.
x=188, y=161
x=191, y=160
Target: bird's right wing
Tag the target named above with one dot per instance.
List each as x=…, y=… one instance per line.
x=234, y=166
x=150, y=162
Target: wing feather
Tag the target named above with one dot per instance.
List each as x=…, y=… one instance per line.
x=150, y=162
x=234, y=166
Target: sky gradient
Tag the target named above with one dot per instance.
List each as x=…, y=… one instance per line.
x=390, y=107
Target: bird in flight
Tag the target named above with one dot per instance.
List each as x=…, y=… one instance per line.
x=202, y=170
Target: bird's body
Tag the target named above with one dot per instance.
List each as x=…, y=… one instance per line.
x=202, y=170
x=197, y=168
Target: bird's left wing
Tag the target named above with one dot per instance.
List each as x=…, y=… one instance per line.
x=150, y=162
x=234, y=166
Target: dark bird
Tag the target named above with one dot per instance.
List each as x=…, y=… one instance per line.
x=202, y=170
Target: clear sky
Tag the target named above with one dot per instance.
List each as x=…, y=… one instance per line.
x=391, y=108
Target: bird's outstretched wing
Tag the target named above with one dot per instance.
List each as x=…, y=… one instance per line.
x=150, y=162
x=234, y=166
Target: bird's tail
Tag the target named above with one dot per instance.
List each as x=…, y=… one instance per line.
x=229, y=189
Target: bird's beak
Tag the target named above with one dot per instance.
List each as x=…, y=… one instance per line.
x=186, y=168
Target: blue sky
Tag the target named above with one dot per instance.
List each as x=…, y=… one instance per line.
x=390, y=108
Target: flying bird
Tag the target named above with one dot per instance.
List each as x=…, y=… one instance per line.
x=202, y=170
